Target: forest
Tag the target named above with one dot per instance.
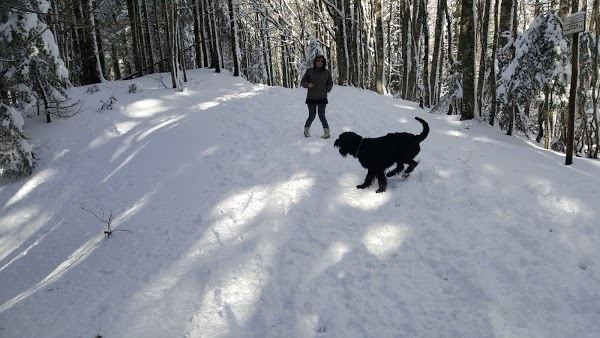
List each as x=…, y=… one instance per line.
x=506, y=63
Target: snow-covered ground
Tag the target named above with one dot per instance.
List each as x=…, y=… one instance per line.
x=238, y=226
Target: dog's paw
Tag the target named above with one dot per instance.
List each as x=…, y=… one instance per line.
x=390, y=174
x=405, y=175
x=380, y=190
x=361, y=186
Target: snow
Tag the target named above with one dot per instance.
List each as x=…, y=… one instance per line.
x=229, y=223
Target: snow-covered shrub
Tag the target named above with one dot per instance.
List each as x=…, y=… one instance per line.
x=29, y=59
x=135, y=87
x=93, y=89
x=108, y=104
x=16, y=157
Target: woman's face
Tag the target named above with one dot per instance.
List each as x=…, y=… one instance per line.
x=319, y=62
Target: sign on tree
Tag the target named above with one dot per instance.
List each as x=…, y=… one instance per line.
x=574, y=23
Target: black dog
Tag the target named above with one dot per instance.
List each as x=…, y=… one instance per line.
x=378, y=154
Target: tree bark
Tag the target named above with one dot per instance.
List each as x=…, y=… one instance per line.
x=485, y=27
x=234, y=39
x=134, y=24
x=426, y=101
x=379, y=51
x=436, y=62
x=466, y=55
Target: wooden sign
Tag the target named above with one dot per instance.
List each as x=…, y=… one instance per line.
x=574, y=23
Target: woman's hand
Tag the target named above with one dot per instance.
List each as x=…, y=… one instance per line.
x=309, y=85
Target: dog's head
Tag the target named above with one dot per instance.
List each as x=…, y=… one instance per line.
x=347, y=143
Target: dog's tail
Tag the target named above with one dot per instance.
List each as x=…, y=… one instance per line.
x=425, y=131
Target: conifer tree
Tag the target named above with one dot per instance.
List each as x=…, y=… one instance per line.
x=539, y=66
x=16, y=157
x=32, y=74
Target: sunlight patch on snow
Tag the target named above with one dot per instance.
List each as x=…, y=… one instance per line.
x=313, y=147
x=61, y=153
x=242, y=290
x=444, y=173
x=334, y=254
x=206, y=105
x=209, y=151
x=405, y=106
x=383, y=240
x=77, y=257
x=235, y=212
x=26, y=250
x=492, y=170
x=485, y=140
x=125, y=127
x=137, y=206
x=124, y=163
x=455, y=133
x=231, y=216
x=145, y=108
x=33, y=182
x=542, y=188
x=561, y=203
x=158, y=126
x=18, y=225
x=73, y=260
x=116, y=131
x=242, y=95
x=365, y=199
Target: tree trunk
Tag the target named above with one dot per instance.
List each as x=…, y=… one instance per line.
x=485, y=27
x=493, y=81
x=426, y=89
x=94, y=41
x=466, y=55
x=197, y=40
x=134, y=24
x=436, y=62
x=214, y=60
x=158, y=41
x=148, y=37
x=337, y=13
x=406, y=49
x=234, y=38
x=414, y=37
x=595, y=83
x=379, y=52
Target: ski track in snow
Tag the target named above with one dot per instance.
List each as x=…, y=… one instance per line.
x=241, y=227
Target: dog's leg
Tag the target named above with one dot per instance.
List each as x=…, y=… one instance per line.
x=399, y=168
x=382, y=180
x=368, y=180
x=412, y=164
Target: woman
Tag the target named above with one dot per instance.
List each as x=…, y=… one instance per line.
x=319, y=83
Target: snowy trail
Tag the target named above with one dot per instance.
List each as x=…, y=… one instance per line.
x=241, y=227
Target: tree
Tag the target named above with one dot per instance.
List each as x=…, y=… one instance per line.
x=538, y=69
x=234, y=39
x=485, y=25
x=338, y=11
x=16, y=157
x=133, y=13
x=466, y=55
x=30, y=62
x=434, y=78
x=379, y=52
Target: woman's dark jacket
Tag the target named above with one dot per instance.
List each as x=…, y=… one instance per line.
x=322, y=84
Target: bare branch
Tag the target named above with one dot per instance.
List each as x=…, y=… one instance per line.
x=105, y=220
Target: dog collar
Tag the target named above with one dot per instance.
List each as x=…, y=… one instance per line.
x=357, y=150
